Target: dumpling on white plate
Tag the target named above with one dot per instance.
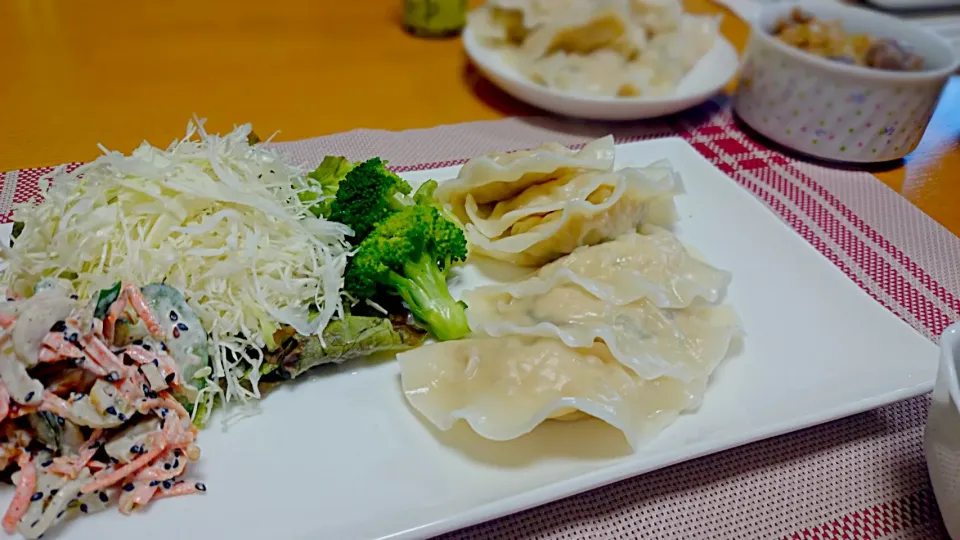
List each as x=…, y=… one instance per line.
x=497, y=176
x=579, y=32
x=504, y=387
x=539, y=232
x=655, y=266
x=685, y=344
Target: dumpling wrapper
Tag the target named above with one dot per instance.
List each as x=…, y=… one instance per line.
x=634, y=266
x=500, y=175
x=652, y=342
x=580, y=34
x=537, y=200
x=632, y=196
x=503, y=388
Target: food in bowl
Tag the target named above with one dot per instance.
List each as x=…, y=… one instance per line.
x=835, y=111
x=597, y=48
x=829, y=39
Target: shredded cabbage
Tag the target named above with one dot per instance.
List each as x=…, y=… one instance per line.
x=211, y=215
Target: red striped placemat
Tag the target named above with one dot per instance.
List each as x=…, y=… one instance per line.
x=857, y=478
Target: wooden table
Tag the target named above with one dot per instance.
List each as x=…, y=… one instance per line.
x=116, y=72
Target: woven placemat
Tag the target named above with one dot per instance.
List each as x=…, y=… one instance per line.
x=857, y=478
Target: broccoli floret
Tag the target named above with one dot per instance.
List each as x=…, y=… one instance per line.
x=327, y=178
x=367, y=195
x=408, y=254
x=424, y=197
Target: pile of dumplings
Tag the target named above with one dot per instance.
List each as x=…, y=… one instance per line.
x=602, y=48
x=616, y=324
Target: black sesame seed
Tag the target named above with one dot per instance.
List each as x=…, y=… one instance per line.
x=177, y=452
x=47, y=463
x=122, y=417
x=114, y=460
x=146, y=347
x=36, y=496
x=113, y=376
x=200, y=486
x=166, y=466
x=271, y=171
x=176, y=463
x=166, y=484
x=60, y=514
x=135, y=449
x=152, y=395
x=169, y=378
x=104, y=497
x=154, y=483
x=163, y=346
x=258, y=176
x=138, y=342
x=54, y=491
x=74, y=297
x=174, y=316
x=128, y=487
x=34, y=524
x=146, y=389
x=163, y=413
x=176, y=333
x=29, y=396
x=156, y=362
x=182, y=327
x=83, y=508
x=73, y=338
x=58, y=326
x=112, y=410
x=60, y=420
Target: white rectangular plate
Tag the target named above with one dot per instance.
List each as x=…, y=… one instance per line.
x=340, y=455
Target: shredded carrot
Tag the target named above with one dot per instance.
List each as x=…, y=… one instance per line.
x=91, y=365
x=55, y=404
x=142, y=356
x=177, y=490
x=71, y=466
x=139, y=497
x=59, y=344
x=98, y=351
x=26, y=486
x=131, y=295
x=157, y=471
x=142, y=309
x=157, y=445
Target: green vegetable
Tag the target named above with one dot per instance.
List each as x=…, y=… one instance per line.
x=424, y=197
x=408, y=254
x=367, y=195
x=327, y=178
x=343, y=339
x=105, y=299
x=17, y=229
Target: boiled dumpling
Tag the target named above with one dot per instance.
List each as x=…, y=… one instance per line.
x=546, y=228
x=581, y=34
x=685, y=344
x=655, y=266
x=497, y=176
x=505, y=387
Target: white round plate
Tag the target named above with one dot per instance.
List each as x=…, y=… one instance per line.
x=706, y=79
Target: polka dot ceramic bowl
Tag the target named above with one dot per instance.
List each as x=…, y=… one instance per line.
x=836, y=111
